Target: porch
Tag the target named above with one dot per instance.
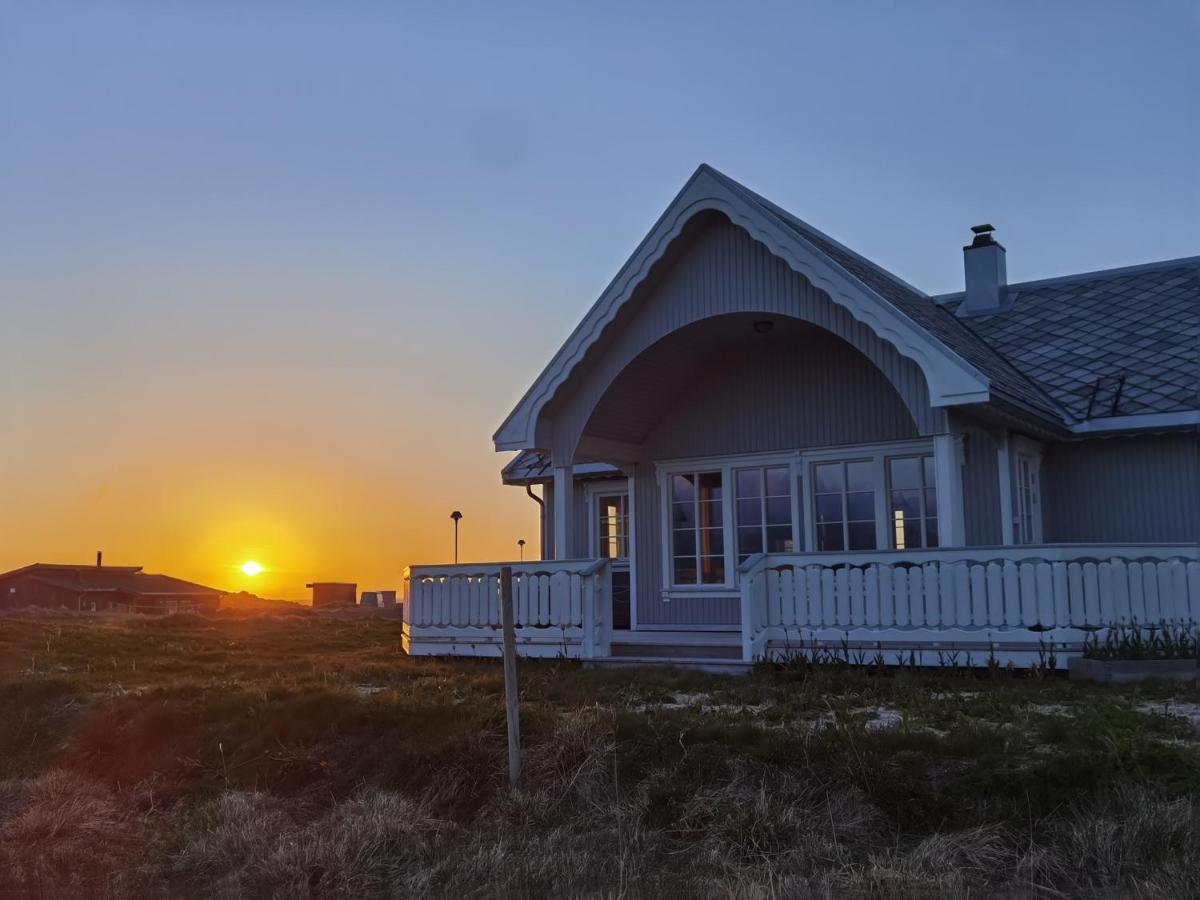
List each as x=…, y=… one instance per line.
x=961, y=606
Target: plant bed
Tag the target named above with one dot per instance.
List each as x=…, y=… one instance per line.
x=1123, y=671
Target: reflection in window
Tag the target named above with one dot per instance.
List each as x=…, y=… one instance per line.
x=844, y=501
x=913, y=502
x=613, y=525
x=697, y=530
x=764, y=511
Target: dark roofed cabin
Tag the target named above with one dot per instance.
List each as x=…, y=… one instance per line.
x=757, y=438
x=96, y=588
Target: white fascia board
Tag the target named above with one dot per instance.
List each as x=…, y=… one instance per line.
x=1182, y=419
x=950, y=377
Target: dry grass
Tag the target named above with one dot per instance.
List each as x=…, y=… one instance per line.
x=302, y=756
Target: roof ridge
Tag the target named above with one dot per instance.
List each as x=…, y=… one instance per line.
x=1181, y=262
x=780, y=211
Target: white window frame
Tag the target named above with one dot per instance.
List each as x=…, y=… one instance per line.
x=595, y=490
x=1029, y=452
x=800, y=463
x=926, y=514
x=726, y=465
x=762, y=526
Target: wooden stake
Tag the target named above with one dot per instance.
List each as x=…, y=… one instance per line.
x=510, y=675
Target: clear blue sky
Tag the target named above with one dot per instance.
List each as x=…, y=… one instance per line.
x=344, y=237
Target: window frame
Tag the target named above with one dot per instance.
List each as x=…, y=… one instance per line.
x=762, y=498
x=1028, y=452
x=609, y=488
x=669, y=546
x=925, y=514
x=800, y=481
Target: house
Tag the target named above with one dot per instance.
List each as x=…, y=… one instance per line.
x=757, y=439
x=99, y=587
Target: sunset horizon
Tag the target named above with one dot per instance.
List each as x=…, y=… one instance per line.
x=276, y=312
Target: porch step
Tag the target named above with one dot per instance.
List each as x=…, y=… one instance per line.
x=699, y=664
x=681, y=650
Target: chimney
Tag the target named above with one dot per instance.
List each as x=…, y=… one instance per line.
x=99, y=556
x=986, y=276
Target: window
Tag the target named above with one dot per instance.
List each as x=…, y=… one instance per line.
x=913, y=502
x=844, y=505
x=764, y=511
x=612, y=525
x=1027, y=499
x=697, y=528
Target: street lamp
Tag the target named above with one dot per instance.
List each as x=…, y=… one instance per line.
x=521, y=544
x=456, y=515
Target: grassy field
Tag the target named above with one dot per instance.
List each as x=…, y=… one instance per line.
x=298, y=755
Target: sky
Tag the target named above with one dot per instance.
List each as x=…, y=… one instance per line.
x=272, y=273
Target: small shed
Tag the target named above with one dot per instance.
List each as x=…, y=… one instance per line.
x=333, y=593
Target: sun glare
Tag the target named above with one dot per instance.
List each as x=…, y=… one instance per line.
x=252, y=568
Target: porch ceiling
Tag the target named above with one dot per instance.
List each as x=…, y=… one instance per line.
x=650, y=385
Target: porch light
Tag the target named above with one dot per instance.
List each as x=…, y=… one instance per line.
x=764, y=326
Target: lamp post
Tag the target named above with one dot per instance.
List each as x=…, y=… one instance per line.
x=521, y=545
x=456, y=515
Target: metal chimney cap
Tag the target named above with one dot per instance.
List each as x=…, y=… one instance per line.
x=983, y=237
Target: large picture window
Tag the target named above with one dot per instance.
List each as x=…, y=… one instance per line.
x=764, y=511
x=697, y=528
x=913, y=502
x=844, y=505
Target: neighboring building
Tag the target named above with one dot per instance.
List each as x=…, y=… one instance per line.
x=100, y=587
x=378, y=599
x=333, y=593
x=766, y=435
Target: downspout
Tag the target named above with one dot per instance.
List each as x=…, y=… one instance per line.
x=541, y=519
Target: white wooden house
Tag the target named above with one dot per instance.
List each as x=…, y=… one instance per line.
x=757, y=438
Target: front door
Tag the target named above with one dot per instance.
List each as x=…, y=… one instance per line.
x=610, y=538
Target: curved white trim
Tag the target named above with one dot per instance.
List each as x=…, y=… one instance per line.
x=951, y=379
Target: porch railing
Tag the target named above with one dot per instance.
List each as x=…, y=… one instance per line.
x=1013, y=603
x=560, y=607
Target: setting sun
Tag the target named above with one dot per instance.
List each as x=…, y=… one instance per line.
x=252, y=568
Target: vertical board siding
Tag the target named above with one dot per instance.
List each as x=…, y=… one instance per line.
x=776, y=398
x=719, y=270
x=839, y=385
x=1144, y=489
x=981, y=482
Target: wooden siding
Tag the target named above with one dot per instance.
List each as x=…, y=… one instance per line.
x=981, y=482
x=1144, y=489
x=817, y=394
x=718, y=271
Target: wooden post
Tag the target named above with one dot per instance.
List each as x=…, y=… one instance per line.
x=510, y=675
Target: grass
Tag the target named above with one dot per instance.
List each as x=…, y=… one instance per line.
x=306, y=756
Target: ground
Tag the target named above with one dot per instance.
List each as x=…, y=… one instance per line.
x=305, y=755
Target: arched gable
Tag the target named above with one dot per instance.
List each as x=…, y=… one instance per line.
x=720, y=271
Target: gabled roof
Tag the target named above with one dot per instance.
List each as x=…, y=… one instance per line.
x=1113, y=350
x=852, y=283
x=1006, y=381
x=1104, y=345
x=110, y=579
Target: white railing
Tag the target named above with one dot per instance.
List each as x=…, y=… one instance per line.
x=561, y=607
x=1011, y=603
